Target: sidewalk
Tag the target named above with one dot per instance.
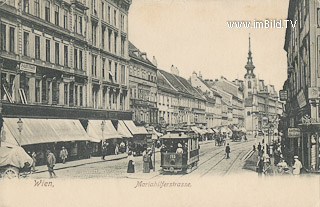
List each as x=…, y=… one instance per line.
x=76, y=163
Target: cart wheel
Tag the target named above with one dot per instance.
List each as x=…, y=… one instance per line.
x=11, y=173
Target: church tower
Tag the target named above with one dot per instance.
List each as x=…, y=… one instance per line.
x=250, y=78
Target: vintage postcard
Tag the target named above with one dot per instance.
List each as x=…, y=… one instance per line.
x=159, y=103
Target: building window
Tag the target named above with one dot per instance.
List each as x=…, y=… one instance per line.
x=25, y=43
x=3, y=37
x=76, y=95
x=115, y=42
x=75, y=23
x=37, y=47
x=65, y=55
x=115, y=71
x=37, y=90
x=75, y=55
x=123, y=39
x=103, y=65
x=56, y=15
x=122, y=22
x=109, y=39
x=94, y=65
x=37, y=8
x=80, y=95
x=248, y=113
x=102, y=36
x=123, y=74
x=26, y=6
x=47, y=11
x=109, y=14
x=65, y=94
x=80, y=60
x=11, y=42
x=249, y=84
x=80, y=25
x=44, y=91
x=94, y=34
x=48, y=50
x=71, y=89
x=110, y=70
x=65, y=19
x=115, y=18
x=57, y=53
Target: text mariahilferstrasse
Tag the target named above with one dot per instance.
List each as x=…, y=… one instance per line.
x=161, y=184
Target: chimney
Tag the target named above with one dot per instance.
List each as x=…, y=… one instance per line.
x=200, y=75
x=144, y=55
x=154, y=61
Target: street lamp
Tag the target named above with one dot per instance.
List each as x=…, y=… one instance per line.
x=20, y=127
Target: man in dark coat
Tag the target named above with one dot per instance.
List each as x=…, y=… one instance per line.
x=259, y=147
x=228, y=151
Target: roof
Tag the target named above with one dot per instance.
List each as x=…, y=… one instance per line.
x=132, y=49
x=189, y=87
x=163, y=83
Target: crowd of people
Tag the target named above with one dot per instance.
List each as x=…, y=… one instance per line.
x=264, y=164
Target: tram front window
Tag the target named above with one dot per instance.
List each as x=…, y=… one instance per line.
x=174, y=146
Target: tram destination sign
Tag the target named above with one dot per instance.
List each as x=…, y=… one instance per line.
x=293, y=132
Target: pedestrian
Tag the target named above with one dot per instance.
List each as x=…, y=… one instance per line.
x=130, y=162
x=260, y=165
x=150, y=156
x=104, y=149
x=63, y=154
x=228, y=151
x=146, y=160
x=254, y=148
x=51, y=161
x=297, y=166
x=34, y=159
x=259, y=147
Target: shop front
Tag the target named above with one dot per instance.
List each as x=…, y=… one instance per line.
x=39, y=135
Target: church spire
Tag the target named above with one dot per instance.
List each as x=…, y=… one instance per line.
x=249, y=67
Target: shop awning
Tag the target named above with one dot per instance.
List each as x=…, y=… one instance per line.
x=210, y=131
x=69, y=130
x=131, y=126
x=7, y=139
x=142, y=130
x=34, y=131
x=95, y=132
x=197, y=130
x=123, y=130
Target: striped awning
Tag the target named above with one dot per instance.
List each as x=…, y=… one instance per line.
x=123, y=130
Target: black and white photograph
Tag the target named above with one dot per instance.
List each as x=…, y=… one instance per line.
x=160, y=103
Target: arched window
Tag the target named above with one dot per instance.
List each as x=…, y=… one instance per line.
x=249, y=84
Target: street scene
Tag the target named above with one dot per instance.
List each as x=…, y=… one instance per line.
x=156, y=91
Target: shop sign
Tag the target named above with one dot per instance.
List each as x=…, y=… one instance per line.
x=301, y=99
x=313, y=92
x=28, y=68
x=283, y=95
x=293, y=132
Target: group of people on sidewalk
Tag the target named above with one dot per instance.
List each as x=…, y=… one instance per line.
x=265, y=166
x=147, y=161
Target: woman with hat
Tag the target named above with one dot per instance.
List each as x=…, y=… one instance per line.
x=130, y=163
x=297, y=165
x=146, y=161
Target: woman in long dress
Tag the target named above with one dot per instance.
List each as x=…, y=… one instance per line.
x=130, y=163
x=146, y=160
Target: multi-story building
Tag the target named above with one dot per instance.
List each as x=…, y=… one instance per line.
x=302, y=44
x=237, y=99
x=191, y=104
x=213, y=101
x=143, y=88
x=64, y=59
x=261, y=101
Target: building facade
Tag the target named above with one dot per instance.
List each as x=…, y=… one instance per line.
x=302, y=44
x=143, y=88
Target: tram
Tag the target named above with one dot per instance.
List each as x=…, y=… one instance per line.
x=179, y=151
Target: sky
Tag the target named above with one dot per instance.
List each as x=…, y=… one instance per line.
x=193, y=35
